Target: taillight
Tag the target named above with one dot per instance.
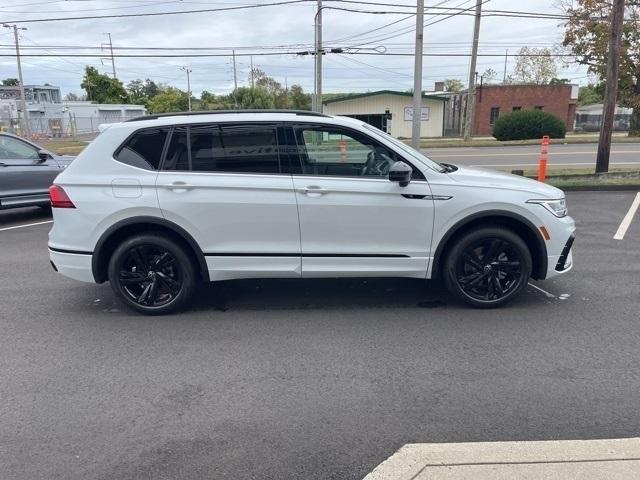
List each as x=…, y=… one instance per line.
x=59, y=198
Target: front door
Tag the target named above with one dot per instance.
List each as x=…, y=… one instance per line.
x=25, y=178
x=223, y=184
x=353, y=220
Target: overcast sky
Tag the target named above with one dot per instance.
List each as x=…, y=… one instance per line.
x=267, y=27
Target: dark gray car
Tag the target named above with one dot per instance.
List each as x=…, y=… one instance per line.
x=26, y=172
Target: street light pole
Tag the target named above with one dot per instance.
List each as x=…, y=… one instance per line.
x=188, y=84
x=24, y=120
x=417, y=77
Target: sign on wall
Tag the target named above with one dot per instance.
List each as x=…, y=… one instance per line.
x=424, y=115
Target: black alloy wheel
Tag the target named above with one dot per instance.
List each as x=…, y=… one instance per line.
x=152, y=274
x=488, y=267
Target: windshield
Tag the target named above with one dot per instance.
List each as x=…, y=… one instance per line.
x=406, y=148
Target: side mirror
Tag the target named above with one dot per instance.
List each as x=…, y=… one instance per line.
x=400, y=172
x=43, y=155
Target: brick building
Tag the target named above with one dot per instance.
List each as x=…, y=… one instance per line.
x=495, y=100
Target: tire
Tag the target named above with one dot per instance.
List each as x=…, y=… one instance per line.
x=487, y=267
x=152, y=274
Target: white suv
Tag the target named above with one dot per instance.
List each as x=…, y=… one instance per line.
x=159, y=203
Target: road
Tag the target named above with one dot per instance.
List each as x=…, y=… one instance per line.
x=314, y=379
x=576, y=155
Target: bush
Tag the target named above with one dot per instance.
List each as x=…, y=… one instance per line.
x=528, y=124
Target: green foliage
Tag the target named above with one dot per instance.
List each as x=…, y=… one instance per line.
x=10, y=82
x=298, y=99
x=528, y=124
x=559, y=81
x=102, y=88
x=141, y=92
x=169, y=99
x=591, y=94
x=246, y=97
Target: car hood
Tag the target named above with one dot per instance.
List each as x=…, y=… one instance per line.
x=506, y=181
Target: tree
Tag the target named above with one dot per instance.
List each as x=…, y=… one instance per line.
x=587, y=36
x=247, y=97
x=208, y=101
x=591, y=94
x=298, y=99
x=10, y=82
x=559, y=81
x=73, y=97
x=453, y=85
x=169, y=99
x=273, y=87
x=534, y=65
x=141, y=92
x=102, y=88
x=489, y=76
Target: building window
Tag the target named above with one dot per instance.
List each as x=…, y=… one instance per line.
x=538, y=107
x=495, y=113
x=517, y=109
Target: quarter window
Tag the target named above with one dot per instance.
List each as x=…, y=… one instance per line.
x=340, y=152
x=144, y=149
x=14, y=149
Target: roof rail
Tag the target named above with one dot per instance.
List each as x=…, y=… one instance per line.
x=221, y=112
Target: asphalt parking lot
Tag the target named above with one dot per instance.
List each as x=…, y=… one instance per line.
x=309, y=379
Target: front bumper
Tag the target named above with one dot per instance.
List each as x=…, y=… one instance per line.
x=559, y=248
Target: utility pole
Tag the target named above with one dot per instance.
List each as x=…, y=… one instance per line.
x=113, y=61
x=504, y=76
x=235, y=73
x=24, y=119
x=188, y=84
x=417, y=77
x=251, y=70
x=611, y=89
x=318, y=59
x=468, y=121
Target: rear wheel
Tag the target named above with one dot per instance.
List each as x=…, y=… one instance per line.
x=152, y=274
x=487, y=267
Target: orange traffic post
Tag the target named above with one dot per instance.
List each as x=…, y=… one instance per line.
x=343, y=151
x=544, y=157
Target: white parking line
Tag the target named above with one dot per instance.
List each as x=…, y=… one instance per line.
x=24, y=226
x=548, y=295
x=628, y=218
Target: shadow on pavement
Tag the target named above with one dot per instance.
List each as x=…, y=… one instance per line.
x=19, y=216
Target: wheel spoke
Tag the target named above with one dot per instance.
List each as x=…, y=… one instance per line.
x=497, y=285
x=170, y=283
x=163, y=260
x=153, y=292
x=144, y=295
x=131, y=278
x=469, y=278
x=472, y=259
x=510, y=267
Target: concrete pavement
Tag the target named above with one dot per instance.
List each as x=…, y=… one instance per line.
x=614, y=459
x=568, y=155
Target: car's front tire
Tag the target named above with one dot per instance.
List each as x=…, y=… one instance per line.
x=152, y=274
x=487, y=267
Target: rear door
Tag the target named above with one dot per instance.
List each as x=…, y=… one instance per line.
x=223, y=184
x=353, y=220
x=24, y=177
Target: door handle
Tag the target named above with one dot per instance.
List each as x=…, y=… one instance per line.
x=178, y=186
x=313, y=190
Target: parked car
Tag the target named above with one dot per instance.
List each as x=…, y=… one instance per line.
x=157, y=204
x=26, y=172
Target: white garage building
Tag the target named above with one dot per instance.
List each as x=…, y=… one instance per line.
x=391, y=111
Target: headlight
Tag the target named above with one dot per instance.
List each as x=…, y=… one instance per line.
x=557, y=207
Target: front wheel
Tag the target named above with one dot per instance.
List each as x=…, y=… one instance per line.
x=487, y=267
x=152, y=274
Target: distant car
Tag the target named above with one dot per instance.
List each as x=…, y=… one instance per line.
x=26, y=172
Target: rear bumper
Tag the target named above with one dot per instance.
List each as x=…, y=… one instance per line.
x=72, y=265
